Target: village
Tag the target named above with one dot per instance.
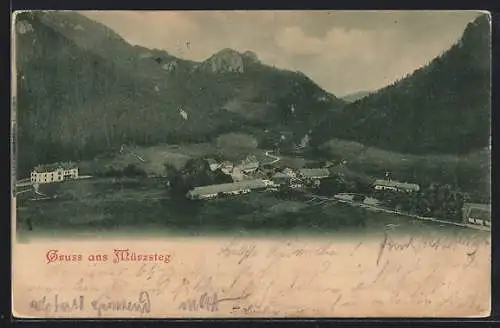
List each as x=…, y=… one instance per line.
x=250, y=175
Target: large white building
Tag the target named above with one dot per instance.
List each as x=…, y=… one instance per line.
x=54, y=173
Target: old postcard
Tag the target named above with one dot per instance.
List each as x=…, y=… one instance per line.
x=238, y=164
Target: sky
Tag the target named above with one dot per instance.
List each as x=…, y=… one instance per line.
x=342, y=51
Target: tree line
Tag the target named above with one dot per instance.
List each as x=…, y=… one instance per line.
x=439, y=201
x=129, y=171
x=435, y=200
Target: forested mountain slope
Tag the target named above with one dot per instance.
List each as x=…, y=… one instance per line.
x=83, y=90
x=443, y=107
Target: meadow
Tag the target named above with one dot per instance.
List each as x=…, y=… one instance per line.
x=470, y=172
x=232, y=146
x=142, y=206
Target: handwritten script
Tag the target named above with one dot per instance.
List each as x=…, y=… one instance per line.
x=387, y=276
x=57, y=304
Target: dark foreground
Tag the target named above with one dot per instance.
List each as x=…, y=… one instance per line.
x=135, y=206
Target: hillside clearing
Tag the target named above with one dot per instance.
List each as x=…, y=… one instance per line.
x=470, y=171
x=234, y=147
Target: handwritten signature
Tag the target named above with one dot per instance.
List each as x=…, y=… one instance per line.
x=57, y=304
x=208, y=303
x=390, y=244
x=105, y=304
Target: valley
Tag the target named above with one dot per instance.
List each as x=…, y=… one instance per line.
x=144, y=207
x=147, y=127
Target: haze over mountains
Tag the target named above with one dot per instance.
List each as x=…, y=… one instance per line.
x=443, y=107
x=83, y=90
x=356, y=96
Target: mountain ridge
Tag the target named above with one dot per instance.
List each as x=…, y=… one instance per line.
x=443, y=107
x=355, y=96
x=67, y=76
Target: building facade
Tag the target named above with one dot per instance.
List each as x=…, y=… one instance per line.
x=281, y=178
x=227, y=167
x=478, y=214
x=395, y=186
x=214, y=165
x=54, y=173
x=312, y=177
x=249, y=165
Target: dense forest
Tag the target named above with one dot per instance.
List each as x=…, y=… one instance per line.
x=83, y=90
x=443, y=107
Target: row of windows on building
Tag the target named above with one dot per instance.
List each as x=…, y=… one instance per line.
x=54, y=176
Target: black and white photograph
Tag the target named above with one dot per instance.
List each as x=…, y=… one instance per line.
x=344, y=125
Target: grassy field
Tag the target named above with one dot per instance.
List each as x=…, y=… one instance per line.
x=471, y=171
x=232, y=146
x=104, y=206
x=358, y=153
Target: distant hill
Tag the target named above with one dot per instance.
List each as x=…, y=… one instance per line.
x=83, y=90
x=443, y=107
x=355, y=96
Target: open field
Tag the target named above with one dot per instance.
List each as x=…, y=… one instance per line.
x=138, y=206
x=232, y=146
x=357, y=153
x=471, y=171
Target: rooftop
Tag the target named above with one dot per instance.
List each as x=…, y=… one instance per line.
x=281, y=175
x=480, y=213
x=212, y=161
x=250, y=159
x=55, y=166
x=228, y=187
x=315, y=173
x=478, y=205
x=397, y=184
x=249, y=166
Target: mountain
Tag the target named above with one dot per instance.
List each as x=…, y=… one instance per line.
x=83, y=90
x=443, y=107
x=355, y=96
x=225, y=61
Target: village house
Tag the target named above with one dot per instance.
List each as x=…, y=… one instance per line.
x=395, y=186
x=281, y=178
x=249, y=165
x=479, y=214
x=284, y=177
x=289, y=172
x=227, y=167
x=313, y=176
x=235, y=188
x=237, y=175
x=57, y=172
x=296, y=183
x=214, y=165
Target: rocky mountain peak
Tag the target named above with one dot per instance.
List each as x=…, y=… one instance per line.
x=251, y=56
x=225, y=60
